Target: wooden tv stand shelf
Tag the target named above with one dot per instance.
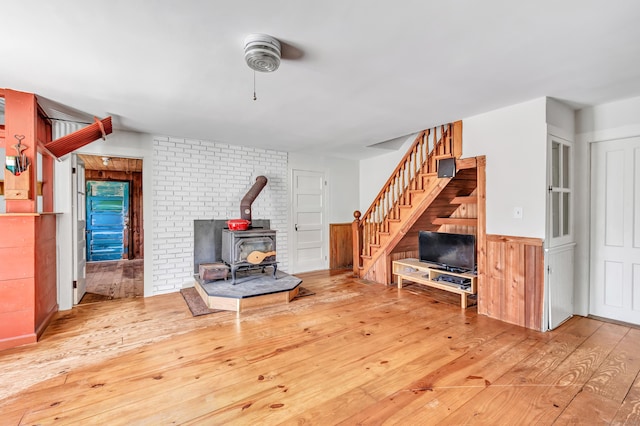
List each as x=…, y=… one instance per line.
x=424, y=273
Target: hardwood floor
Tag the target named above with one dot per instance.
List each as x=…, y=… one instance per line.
x=353, y=353
x=114, y=280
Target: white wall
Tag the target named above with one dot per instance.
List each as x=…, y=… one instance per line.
x=615, y=120
x=514, y=140
x=118, y=144
x=341, y=192
x=342, y=183
x=561, y=120
x=171, y=190
x=195, y=179
x=375, y=171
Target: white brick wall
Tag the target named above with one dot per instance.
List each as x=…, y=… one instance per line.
x=195, y=179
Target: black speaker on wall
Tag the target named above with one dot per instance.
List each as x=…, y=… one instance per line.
x=446, y=167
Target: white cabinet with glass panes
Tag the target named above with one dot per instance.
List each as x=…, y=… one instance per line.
x=559, y=245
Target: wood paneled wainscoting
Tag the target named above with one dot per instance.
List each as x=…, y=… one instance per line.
x=512, y=289
x=341, y=245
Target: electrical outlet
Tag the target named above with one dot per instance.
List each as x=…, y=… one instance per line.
x=517, y=212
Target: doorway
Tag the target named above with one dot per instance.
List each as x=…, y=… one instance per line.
x=115, y=240
x=107, y=220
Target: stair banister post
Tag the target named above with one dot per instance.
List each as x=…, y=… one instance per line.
x=357, y=243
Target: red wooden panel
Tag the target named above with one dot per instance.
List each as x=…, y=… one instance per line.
x=45, y=269
x=16, y=231
x=17, y=262
x=12, y=342
x=16, y=295
x=20, y=119
x=16, y=323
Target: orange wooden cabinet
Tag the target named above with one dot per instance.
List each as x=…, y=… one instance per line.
x=28, y=293
x=28, y=253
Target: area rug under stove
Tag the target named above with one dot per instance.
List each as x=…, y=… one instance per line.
x=195, y=303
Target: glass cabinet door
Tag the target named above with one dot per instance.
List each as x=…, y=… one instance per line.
x=560, y=192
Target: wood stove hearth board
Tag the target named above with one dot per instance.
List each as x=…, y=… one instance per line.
x=226, y=296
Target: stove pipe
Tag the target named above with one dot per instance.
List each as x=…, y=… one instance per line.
x=247, y=200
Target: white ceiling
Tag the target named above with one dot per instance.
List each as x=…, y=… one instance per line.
x=356, y=73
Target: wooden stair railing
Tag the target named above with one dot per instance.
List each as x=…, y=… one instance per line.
x=421, y=159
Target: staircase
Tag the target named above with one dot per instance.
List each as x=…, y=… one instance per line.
x=414, y=199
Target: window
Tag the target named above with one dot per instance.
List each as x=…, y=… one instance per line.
x=560, y=192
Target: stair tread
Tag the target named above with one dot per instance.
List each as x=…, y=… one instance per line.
x=464, y=221
x=469, y=199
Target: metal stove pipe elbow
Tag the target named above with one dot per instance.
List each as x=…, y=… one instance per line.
x=250, y=196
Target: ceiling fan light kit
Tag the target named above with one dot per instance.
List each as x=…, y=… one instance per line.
x=262, y=52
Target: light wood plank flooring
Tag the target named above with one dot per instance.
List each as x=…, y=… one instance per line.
x=354, y=353
x=114, y=280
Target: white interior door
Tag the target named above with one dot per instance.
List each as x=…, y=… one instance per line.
x=615, y=230
x=79, y=225
x=309, y=234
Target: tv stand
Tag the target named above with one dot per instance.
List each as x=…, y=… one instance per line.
x=436, y=276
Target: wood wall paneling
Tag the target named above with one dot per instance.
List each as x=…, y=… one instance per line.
x=114, y=164
x=340, y=245
x=514, y=287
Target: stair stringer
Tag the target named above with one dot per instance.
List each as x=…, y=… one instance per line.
x=377, y=266
x=388, y=243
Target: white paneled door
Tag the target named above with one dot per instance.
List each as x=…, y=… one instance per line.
x=615, y=230
x=309, y=233
x=79, y=227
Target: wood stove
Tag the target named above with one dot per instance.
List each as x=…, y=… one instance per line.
x=237, y=246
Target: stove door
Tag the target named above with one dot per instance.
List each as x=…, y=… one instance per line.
x=244, y=246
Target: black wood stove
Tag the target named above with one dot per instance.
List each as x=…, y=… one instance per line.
x=250, y=249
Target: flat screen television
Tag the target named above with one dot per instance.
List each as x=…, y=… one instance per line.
x=453, y=252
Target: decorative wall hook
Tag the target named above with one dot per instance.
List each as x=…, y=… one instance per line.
x=21, y=160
